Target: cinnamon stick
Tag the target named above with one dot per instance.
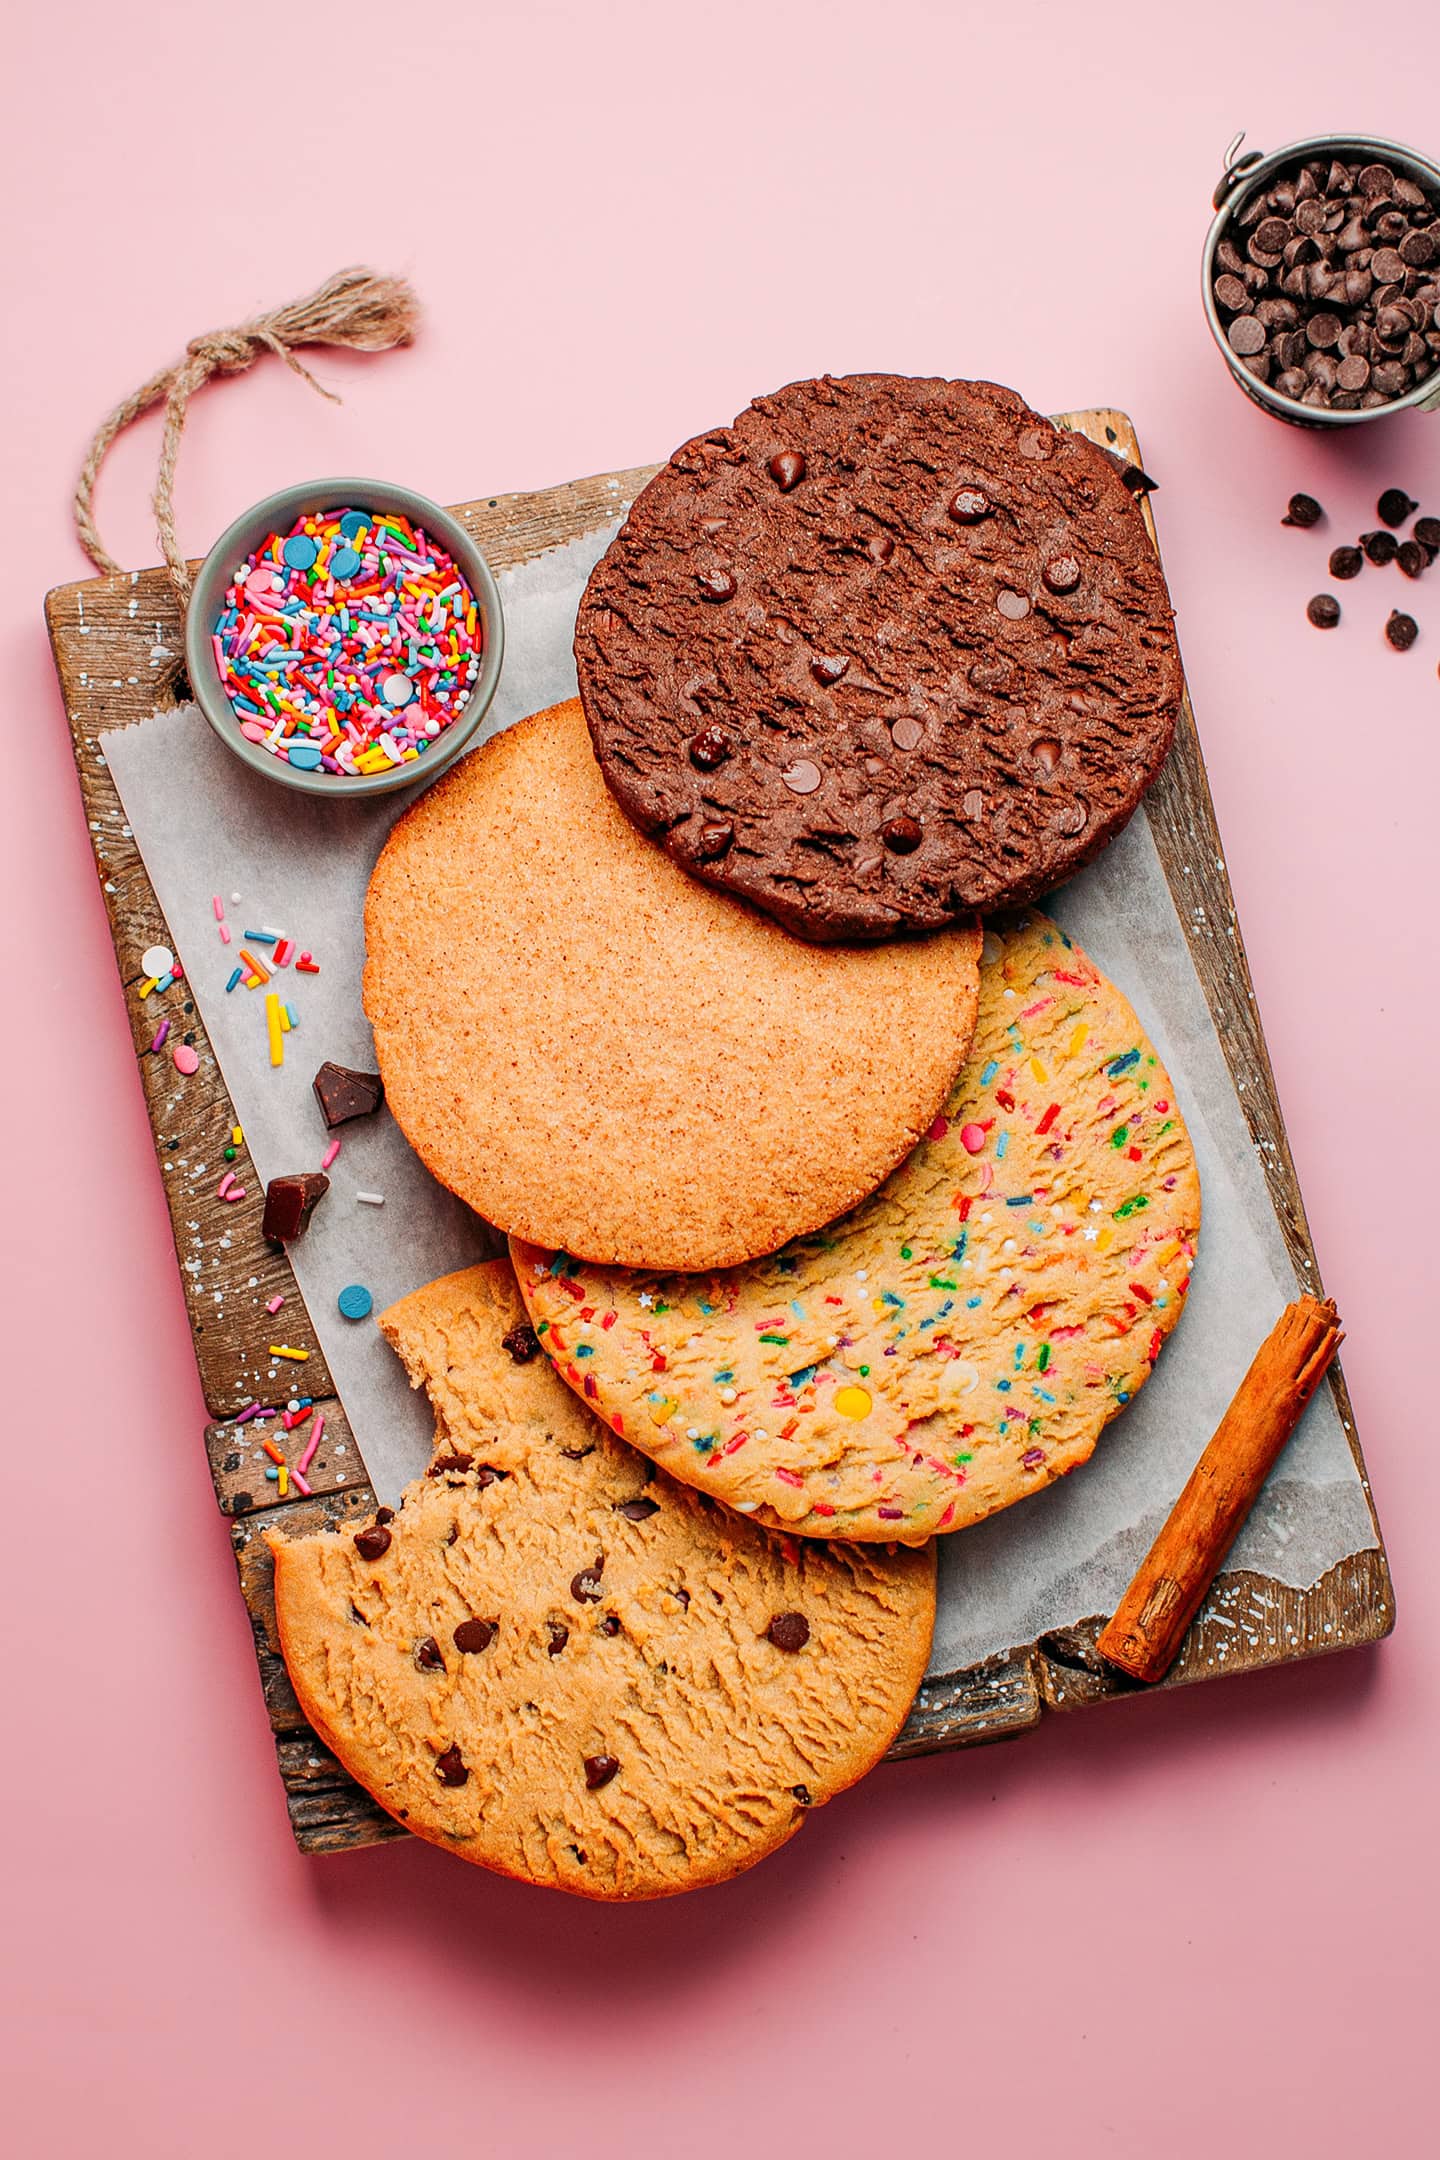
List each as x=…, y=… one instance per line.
x=1151, y=1619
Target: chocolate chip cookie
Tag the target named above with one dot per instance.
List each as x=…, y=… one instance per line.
x=555, y=1662
x=885, y=651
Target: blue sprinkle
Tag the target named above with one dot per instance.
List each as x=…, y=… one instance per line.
x=797, y=1308
x=1043, y=1395
x=1123, y=1063
x=585, y=1349
x=1002, y=1147
x=1003, y=1386
x=355, y=1301
x=292, y=1016
x=300, y=551
x=957, y=1250
x=888, y=1297
x=272, y=1470
x=971, y=1303
x=1024, y=1199
x=989, y=1073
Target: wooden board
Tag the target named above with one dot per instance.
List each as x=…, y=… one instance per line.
x=117, y=646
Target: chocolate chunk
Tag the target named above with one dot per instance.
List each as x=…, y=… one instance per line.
x=789, y=1631
x=902, y=835
x=384, y=1514
x=715, y=585
x=450, y=1767
x=585, y=1587
x=1324, y=611
x=880, y=547
x=1394, y=507
x=343, y=1094
x=713, y=840
x=1402, y=630
x=451, y=1463
x=1061, y=573
x=521, y=1342
x=968, y=505
x=638, y=1510
x=1346, y=562
x=1247, y=336
x=373, y=1541
x=290, y=1202
x=599, y=1769
x=429, y=1656
x=829, y=667
x=787, y=469
x=1380, y=547
x=709, y=749
x=1046, y=753
x=472, y=1636
x=559, y=1636
x=1411, y=557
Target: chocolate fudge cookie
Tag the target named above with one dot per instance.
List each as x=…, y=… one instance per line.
x=554, y=1662
x=885, y=651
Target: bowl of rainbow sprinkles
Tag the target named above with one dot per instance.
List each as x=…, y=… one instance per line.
x=345, y=637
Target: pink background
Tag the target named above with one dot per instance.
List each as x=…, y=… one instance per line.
x=1201, y=1922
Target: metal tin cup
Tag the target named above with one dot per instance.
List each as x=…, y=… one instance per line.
x=1239, y=182
x=277, y=513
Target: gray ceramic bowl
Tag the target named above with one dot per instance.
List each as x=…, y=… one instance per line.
x=277, y=513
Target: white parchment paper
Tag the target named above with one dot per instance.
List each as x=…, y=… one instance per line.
x=206, y=825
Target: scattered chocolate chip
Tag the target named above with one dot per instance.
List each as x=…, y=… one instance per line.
x=343, y=1094
x=453, y=1462
x=1046, y=753
x=1012, y=605
x=880, y=547
x=1061, y=574
x=1324, y=611
x=1394, y=507
x=290, y=1201
x=609, y=1624
x=972, y=804
x=1138, y=481
x=522, y=1342
x=373, y=1541
x=384, y=1514
x=1232, y=292
x=713, y=840
x=1411, y=557
x=1072, y=817
x=789, y=1631
x=429, y=1656
x=1427, y=531
x=1380, y=547
x=803, y=1794
x=907, y=733
x=787, y=469
x=829, y=667
x=1302, y=510
x=450, y=1767
x=472, y=1636
x=968, y=505
x=559, y=1636
x=803, y=777
x=585, y=1587
x=715, y=584
x=638, y=1510
x=599, y=1769
x=1402, y=630
x=710, y=749
x=1346, y=562
x=902, y=835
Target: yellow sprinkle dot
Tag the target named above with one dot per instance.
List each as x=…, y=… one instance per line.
x=1105, y=1240
x=1078, y=1040
x=852, y=1402
x=1038, y=1069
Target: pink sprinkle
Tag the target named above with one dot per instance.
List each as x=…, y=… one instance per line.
x=185, y=1059
x=225, y=933
x=299, y=1483
x=329, y=1155
x=236, y=1192
x=177, y=972
x=219, y=906
x=225, y=1183
x=274, y=1304
x=789, y=1477
x=254, y=1409
x=313, y=1442
x=972, y=1138
x=160, y=1033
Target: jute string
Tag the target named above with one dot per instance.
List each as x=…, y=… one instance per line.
x=356, y=307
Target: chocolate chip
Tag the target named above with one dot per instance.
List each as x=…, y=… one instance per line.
x=429, y=1656
x=1418, y=250
x=880, y=547
x=1353, y=372
x=559, y=1636
x=474, y=1635
x=902, y=835
x=713, y=840
x=972, y=804
x=585, y=1587
x=715, y=584
x=384, y=1514
x=609, y=1625
x=829, y=667
x=343, y=1094
x=1271, y=235
x=1411, y=557
x=1072, y=817
x=1061, y=573
x=1324, y=611
x=968, y=505
x=1346, y=562
x=1046, y=753
x=787, y=469
x=789, y=1631
x=907, y=733
x=1387, y=266
x=452, y=1461
x=1247, y=336
x=1427, y=532
x=450, y=1767
x=1322, y=330
x=522, y=1342
x=1402, y=630
x=373, y=1541
x=1394, y=507
x=1012, y=605
x=638, y=1510
x=290, y=1201
x=1380, y=547
x=803, y=777
x=803, y=1794
x=710, y=749
x=1375, y=180
x=599, y=1769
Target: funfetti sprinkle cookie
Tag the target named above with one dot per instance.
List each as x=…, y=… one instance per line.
x=964, y=1335
x=556, y=1662
x=596, y=1052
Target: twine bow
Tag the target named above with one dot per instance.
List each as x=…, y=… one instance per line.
x=358, y=308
